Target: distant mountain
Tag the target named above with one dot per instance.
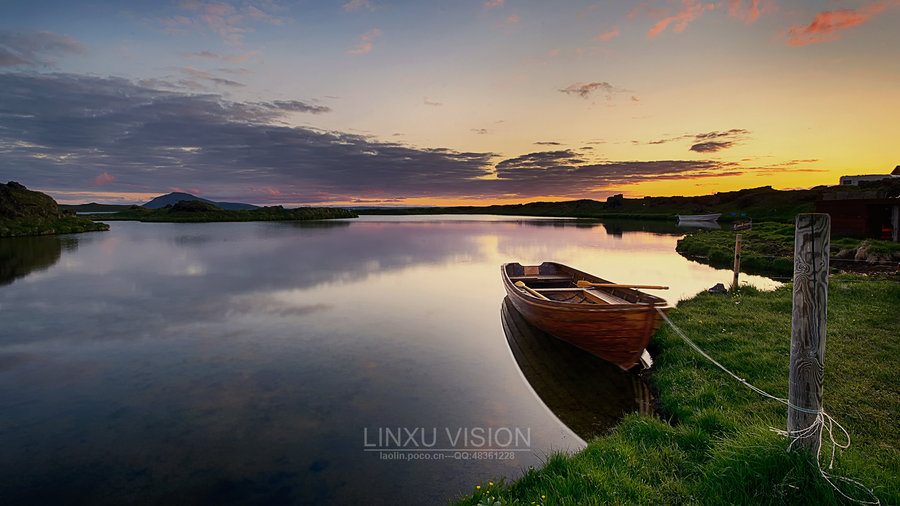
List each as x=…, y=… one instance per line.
x=176, y=197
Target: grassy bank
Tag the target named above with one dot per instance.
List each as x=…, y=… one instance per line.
x=713, y=444
x=42, y=225
x=210, y=213
x=768, y=250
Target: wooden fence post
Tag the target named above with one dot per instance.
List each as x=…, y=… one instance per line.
x=812, y=237
x=737, y=262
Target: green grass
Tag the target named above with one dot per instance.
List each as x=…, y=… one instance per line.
x=714, y=443
x=212, y=213
x=768, y=249
x=40, y=225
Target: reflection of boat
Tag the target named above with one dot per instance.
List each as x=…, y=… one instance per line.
x=587, y=394
x=705, y=225
x=697, y=217
x=613, y=322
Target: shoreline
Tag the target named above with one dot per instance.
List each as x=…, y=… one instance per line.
x=715, y=443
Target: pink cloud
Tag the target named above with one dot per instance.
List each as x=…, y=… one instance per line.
x=750, y=13
x=365, y=42
x=220, y=18
x=104, y=179
x=827, y=25
x=514, y=19
x=608, y=35
x=192, y=191
x=690, y=10
x=493, y=3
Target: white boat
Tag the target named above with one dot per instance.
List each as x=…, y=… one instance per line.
x=698, y=217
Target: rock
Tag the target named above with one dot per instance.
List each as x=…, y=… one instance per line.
x=16, y=201
x=718, y=289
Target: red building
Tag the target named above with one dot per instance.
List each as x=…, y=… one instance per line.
x=870, y=214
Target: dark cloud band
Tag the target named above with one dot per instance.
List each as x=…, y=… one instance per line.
x=69, y=131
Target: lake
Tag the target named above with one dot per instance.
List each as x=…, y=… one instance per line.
x=335, y=362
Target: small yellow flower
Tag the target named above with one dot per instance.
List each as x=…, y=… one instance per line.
x=543, y=497
x=491, y=483
x=477, y=486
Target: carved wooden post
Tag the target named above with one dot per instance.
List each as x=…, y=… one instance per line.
x=737, y=262
x=812, y=237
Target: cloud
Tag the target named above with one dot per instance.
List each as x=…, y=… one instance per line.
x=432, y=103
x=608, y=35
x=690, y=10
x=60, y=131
x=514, y=19
x=104, y=179
x=229, y=22
x=750, y=11
x=355, y=5
x=586, y=90
x=490, y=4
x=36, y=47
x=564, y=173
x=711, y=146
x=705, y=143
x=296, y=106
x=364, y=42
x=827, y=25
x=548, y=143
x=56, y=128
x=195, y=76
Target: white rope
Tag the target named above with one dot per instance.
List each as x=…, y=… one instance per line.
x=823, y=422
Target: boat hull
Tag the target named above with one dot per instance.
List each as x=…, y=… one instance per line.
x=697, y=217
x=617, y=332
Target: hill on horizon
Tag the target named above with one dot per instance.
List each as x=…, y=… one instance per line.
x=176, y=197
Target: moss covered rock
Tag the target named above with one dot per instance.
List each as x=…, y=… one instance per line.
x=16, y=201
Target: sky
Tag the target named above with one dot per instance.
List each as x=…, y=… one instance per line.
x=384, y=102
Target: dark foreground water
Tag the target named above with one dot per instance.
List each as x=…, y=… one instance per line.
x=367, y=361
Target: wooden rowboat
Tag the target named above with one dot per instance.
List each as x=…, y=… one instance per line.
x=613, y=322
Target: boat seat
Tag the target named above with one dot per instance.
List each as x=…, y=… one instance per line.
x=606, y=297
x=540, y=277
x=591, y=293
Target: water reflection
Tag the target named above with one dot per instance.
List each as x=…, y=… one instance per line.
x=20, y=256
x=588, y=394
x=240, y=362
x=693, y=226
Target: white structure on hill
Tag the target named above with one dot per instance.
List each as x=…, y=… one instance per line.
x=855, y=180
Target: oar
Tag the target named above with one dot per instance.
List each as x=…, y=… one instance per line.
x=582, y=283
x=529, y=290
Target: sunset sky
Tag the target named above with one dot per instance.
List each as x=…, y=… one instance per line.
x=384, y=102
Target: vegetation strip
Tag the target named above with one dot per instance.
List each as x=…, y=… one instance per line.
x=768, y=250
x=714, y=443
x=195, y=211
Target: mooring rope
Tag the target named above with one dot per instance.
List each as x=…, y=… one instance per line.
x=823, y=422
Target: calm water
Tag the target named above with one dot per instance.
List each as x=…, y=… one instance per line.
x=273, y=363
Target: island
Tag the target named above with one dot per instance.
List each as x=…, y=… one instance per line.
x=201, y=211
x=24, y=212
